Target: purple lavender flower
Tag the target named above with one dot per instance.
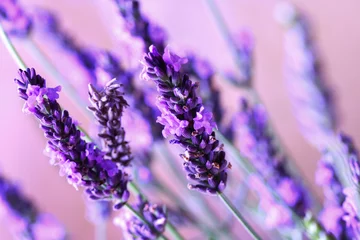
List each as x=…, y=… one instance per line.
x=184, y=116
x=81, y=162
x=50, y=26
x=352, y=157
x=256, y=143
x=210, y=94
x=108, y=106
x=16, y=21
x=244, y=44
x=311, y=99
x=332, y=214
x=24, y=219
x=140, y=26
x=351, y=218
x=155, y=217
x=151, y=34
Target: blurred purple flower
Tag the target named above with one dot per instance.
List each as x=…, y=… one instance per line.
x=311, y=99
x=256, y=143
x=102, y=179
x=139, y=26
x=350, y=208
x=182, y=112
x=23, y=218
x=14, y=18
x=155, y=216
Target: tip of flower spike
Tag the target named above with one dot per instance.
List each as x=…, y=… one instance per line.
x=284, y=13
x=173, y=59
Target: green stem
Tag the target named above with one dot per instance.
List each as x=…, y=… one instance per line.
x=238, y=216
x=220, y=22
x=10, y=47
x=100, y=230
x=133, y=188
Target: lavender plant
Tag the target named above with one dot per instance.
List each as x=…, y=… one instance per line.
x=103, y=169
x=24, y=218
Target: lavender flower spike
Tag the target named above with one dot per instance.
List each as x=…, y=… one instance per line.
x=256, y=143
x=23, y=218
x=83, y=163
x=155, y=216
x=331, y=217
x=15, y=20
x=108, y=106
x=311, y=99
x=184, y=116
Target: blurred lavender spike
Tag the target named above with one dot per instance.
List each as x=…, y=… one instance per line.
x=210, y=94
x=331, y=217
x=256, y=143
x=49, y=24
x=16, y=22
x=82, y=163
x=140, y=26
x=155, y=215
x=349, y=196
x=23, y=218
x=353, y=158
x=184, y=116
x=244, y=43
x=108, y=106
x=311, y=99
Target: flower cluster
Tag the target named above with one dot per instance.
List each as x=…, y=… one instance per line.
x=184, y=116
x=155, y=217
x=332, y=214
x=256, y=143
x=83, y=163
x=24, y=219
x=311, y=99
x=140, y=26
x=151, y=34
x=48, y=23
x=108, y=106
x=15, y=20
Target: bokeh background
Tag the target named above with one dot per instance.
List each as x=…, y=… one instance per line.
x=335, y=28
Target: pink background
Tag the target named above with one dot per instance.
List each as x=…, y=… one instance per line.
x=189, y=24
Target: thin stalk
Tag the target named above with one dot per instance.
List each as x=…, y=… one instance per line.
x=238, y=216
x=198, y=197
x=10, y=47
x=220, y=22
x=235, y=55
x=178, y=201
x=100, y=230
x=133, y=188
